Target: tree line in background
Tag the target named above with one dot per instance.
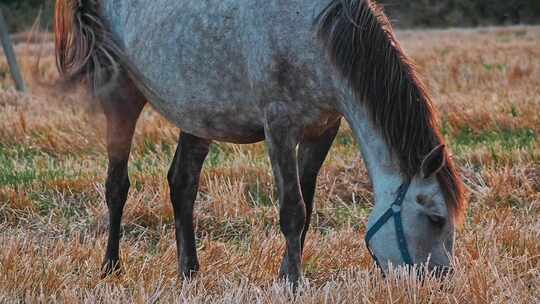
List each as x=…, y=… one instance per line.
x=462, y=13
x=21, y=14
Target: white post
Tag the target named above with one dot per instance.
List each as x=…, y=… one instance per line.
x=10, y=55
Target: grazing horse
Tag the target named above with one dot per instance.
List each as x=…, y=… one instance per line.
x=286, y=72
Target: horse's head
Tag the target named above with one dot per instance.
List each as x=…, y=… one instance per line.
x=392, y=117
x=412, y=224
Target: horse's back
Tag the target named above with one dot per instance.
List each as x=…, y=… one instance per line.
x=224, y=58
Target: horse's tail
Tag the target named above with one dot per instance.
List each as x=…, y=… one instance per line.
x=85, y=48
x=359, y=40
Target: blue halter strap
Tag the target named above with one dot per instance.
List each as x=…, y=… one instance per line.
x=393, y=211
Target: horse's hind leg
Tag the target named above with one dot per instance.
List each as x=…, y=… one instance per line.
x=282, y=136
x=122, y=108
x=311, y=155
x=183, y=183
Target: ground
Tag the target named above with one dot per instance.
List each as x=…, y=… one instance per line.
x=53, y=219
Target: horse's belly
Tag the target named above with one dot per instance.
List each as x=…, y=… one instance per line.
x=239, y=122
x=235, y=122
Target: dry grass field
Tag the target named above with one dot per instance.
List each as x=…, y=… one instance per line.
x=53, y=219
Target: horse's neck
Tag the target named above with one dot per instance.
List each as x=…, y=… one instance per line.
x=383, y=168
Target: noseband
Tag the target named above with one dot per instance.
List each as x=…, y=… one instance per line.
x=393, y=211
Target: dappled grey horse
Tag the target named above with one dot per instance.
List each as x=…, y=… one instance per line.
x=286, y=72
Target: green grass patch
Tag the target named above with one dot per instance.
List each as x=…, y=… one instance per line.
x=16, y=172
x=507, y=139
x=18, y=166
x=339, y=216
x=215, y=156
x=258, y=194
x=345, y=139
x=492, y=66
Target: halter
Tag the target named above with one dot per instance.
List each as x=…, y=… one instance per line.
x=393, y=211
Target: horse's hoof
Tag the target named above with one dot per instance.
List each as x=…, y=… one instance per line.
x=110, y=267
x=189, y=271
x=292, y=279
x=292, y=275
x=188, y=275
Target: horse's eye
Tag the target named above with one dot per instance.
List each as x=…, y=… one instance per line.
x=438, y=220
x=435, y=218
x=421, y=199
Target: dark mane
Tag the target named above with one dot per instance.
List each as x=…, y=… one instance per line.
x=384, y=78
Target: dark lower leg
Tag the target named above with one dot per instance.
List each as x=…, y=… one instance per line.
x=292, y=220
x=117, y=187
x=282, y=137
x=183, y=182
x=311, y=156
x=122, y=109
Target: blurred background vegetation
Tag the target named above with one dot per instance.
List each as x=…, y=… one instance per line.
x=462, y=13
x=21, y=14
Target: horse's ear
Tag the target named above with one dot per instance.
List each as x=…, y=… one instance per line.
x=433, y=162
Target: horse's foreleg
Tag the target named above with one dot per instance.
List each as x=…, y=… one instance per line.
x=184, y=182
x=282, y=136
x=311, y=155
x=122, y=109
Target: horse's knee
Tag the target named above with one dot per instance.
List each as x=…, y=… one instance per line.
x=181, y=178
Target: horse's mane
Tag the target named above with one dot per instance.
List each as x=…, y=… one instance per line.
x=361, y=43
